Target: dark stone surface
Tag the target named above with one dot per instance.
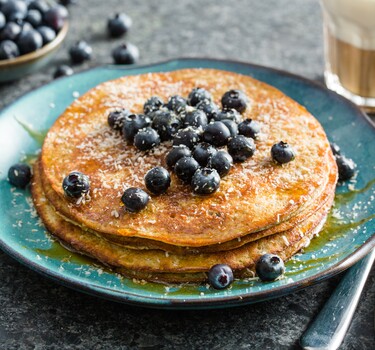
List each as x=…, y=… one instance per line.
x=39, y=314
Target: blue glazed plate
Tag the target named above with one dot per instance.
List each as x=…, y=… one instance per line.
x=346, y=239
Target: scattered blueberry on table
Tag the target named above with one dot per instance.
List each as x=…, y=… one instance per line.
x=80, y=52
x=125, y=53
x=118, y=25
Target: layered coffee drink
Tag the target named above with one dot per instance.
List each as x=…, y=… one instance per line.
x=349, y=29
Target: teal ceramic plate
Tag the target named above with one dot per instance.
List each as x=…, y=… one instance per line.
x=347, y=237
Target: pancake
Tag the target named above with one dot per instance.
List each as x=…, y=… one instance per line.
x=255, y=196
x=156, y=264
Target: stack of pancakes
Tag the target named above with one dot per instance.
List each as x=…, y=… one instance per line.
x=261, y=207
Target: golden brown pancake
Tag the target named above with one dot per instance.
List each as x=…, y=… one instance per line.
x=256, y=195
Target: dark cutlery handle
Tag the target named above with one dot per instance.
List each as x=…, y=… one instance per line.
x=328, y=329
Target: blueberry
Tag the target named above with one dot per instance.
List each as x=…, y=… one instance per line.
x=47, y=33
x=195, y=118
x=249, y=128
x=234, y=99
x=19, y=175
x=346, y=167
x=222, y=162
x=335, y=149
x=166, y=124
x=269, y=267
x=67, y=2
x=153, y=104
x=220, y=276
x=205, y=181
x=80, y=52
x=118, y=25
x=176, y=153
x=185, y=168
x=55, y=17
x=197, y=95
x=132, y=124
x=135, y=199
x=34, y=17
x=63, y=71
x=3, y=21
x=176, y=103
x=117, y=118
x=11, y=31
x=125, y=54
x=158, y=180
x=232, y=126
x=76, y=184
x=230, y=114
x=188, y=137
x=8, y=49
x=210, y=108
x=282, y=152
x=203, y=152
x=13, y=7
x=40, y=5
x=241, y=148
x=216, y=134
x=29, y=41
x=146, y=139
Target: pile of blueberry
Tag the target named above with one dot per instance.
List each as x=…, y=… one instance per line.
x=26, y=26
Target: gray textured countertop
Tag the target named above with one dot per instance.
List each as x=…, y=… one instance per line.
x=36, y=313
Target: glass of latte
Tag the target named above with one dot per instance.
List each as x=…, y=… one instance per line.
x=349, y=38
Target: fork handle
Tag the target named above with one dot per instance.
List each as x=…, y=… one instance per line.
x=328, y=329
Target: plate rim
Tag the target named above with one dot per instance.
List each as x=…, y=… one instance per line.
x=193, y=302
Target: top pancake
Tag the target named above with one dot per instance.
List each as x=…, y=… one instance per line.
x=255, y=195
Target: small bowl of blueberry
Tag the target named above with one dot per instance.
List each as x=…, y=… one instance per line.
x=30, y=33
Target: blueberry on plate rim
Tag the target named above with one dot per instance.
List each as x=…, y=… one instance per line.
x=157, y=180
x=19, y=175
x=346, y=167
x=135, y=199
x=220, y=276
x=76, y=184
x=269, y=267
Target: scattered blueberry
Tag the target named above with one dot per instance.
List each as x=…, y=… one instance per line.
x=232, y=126
x=11, y=31
x=222, y=162
x=132, y=124
x=55, y=17
x=282, y=152
x=76, y=184
x=269, y=267
x=205, y=181
x=153, y=104
x=195, y=118
x=118, y=25
x=146, y=139
x=8, y=49
x=241, y=148
x=176, y=103
x=176, y=153
x=234, y=99
x=216, y=134
x=158, y=180
x=197, y=95
x=231, y=114
x=125, y=54
x=346, y=167
x=19, y=175
x=335, y=149
x=34, y=17
x=210, y=108
x=249, y=128
x=47, y=33
x=203, y=152
x=80, y=52
x=29, y=41
x=166, y=123
x=63, y=71
x=220, y=276
x=135, y=199
x=116, y=119
x=185, y=168
x=188, y=137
